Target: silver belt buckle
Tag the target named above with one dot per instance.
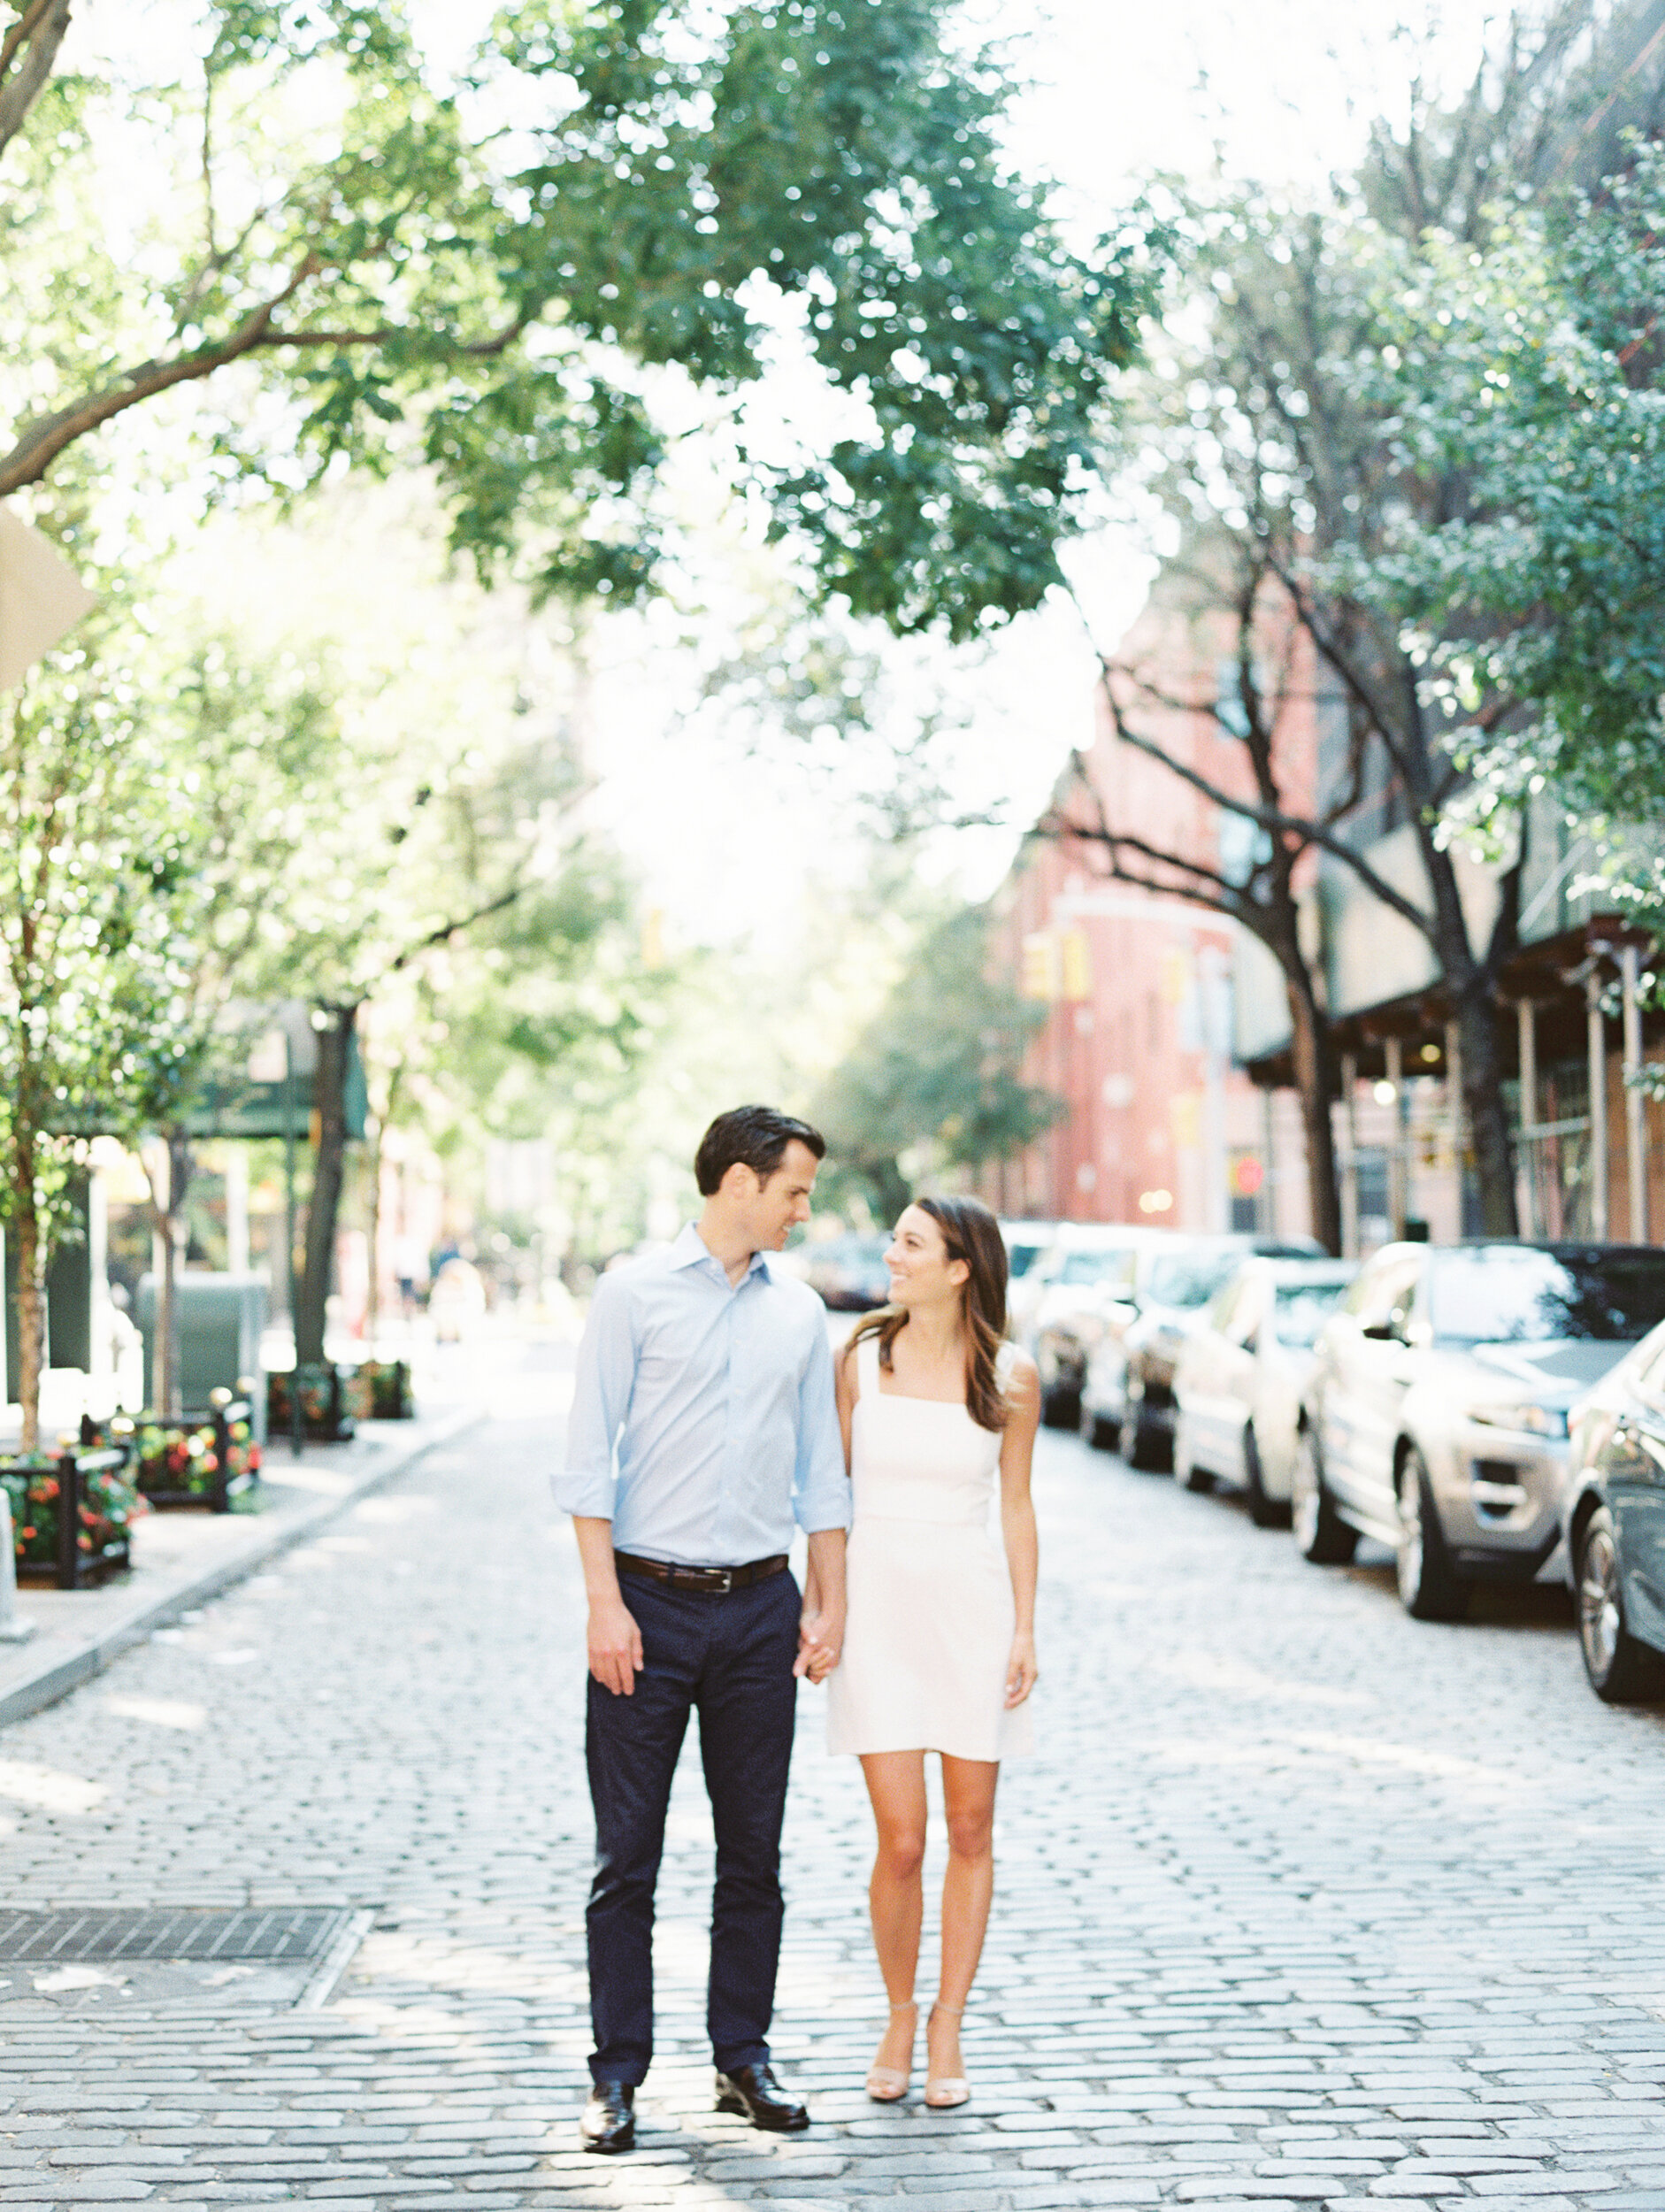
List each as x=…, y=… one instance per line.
x=727, y=1582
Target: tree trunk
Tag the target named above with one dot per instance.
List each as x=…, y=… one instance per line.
x=329, y=1100
x=1474, y=1003
x=373, y=1309
x=1486, y=1114
x=169, y=1390
x=1317, y=1086
x=30, y=1296
x=373, y=1239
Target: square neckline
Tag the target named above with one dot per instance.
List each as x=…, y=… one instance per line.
x=869, y=1345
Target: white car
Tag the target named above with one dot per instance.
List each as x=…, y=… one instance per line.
x=1026, y=1243
x=1239, y=1377
x=1077, y=1290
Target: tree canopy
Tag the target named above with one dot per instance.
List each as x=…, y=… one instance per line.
x=510, y=274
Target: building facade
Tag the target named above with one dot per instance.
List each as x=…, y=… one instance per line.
x=1166, y=1031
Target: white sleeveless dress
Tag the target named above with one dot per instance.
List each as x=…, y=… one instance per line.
x=929, y=1630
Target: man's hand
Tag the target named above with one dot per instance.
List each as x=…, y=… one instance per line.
x=820, y=1644
x=615, y=1646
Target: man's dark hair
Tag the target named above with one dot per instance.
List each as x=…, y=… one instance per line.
x=757, y=1135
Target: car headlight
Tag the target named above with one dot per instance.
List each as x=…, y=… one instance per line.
x=1532, y=1419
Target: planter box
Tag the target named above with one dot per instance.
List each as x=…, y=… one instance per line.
x=379, y=1390
x=201, y=1459
x=324, y=1413
x=72, y=1513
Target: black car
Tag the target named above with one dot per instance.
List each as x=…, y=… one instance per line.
x=1616, y=1526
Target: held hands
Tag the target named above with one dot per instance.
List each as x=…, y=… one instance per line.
x=1022, y=1673
x=820, y=1642
x=615, y=1646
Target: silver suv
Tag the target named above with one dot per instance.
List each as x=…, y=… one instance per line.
x=1436, y=1417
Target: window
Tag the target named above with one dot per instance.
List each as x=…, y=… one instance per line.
x=1096, y=1267
x=1512, y=1293
x=1301, y=1309
x=1190, y=1279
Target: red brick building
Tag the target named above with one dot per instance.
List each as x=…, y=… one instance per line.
x=1160, y=1124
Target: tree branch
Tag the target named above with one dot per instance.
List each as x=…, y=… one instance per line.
x=473, y=349
x=42, y=443
x=37, y=35
x=448, y=930
x=1301, y=826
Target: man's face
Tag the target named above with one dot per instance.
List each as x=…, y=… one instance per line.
x=775, y=1208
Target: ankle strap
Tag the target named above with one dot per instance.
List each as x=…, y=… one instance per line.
x=908, y=2004
x=956, y=2009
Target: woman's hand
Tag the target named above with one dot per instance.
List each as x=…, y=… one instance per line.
x=1022, y=1673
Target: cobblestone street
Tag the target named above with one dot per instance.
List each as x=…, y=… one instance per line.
x=1302, y=1903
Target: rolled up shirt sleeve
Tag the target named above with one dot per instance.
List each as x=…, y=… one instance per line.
x=601, y=1398
x=821, y=1487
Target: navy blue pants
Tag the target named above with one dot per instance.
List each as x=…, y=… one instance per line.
x=728, y=1658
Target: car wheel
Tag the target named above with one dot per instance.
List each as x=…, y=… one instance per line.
x=1320, y=1535
x=1430, y=1587
x=1187, y=1474
x=1265, y=1512
x=1138, y=1445
x=1061, y=1405
x=1096, y=1431
x=1621, y=1671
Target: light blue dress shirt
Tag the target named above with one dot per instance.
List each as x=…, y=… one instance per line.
x=704, y=1421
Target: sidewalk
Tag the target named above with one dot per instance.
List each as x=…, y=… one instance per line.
x=183, y=1558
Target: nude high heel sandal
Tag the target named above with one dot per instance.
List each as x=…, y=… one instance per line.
x=888, y=2085
x=945, y=2092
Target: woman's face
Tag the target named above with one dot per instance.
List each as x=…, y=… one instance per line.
x=921, y=1273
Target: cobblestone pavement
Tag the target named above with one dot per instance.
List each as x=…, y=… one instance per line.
x=1302, y=1903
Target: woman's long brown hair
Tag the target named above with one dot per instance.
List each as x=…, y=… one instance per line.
x=972, y=1234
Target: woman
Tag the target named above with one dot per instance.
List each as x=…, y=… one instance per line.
x=940, y=1647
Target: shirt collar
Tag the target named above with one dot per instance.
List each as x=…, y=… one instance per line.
x=691, y=1248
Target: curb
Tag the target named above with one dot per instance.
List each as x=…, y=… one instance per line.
x=70, y=1669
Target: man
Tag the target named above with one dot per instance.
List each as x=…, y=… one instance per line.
x=703, y=1423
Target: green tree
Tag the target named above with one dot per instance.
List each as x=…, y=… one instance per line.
x=1530, y=369
x=94, y=1021
x=403, y=277
x=936, y=1079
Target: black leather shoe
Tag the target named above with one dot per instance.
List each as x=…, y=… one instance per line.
x=753, y=2091
x=609, y=2117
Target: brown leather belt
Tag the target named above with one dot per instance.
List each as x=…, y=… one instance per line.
x=711, y=1581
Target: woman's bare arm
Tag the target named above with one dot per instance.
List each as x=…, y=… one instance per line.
x=1018, y=1521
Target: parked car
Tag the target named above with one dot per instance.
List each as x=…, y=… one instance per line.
x=1615, y=1522
x=1437, y=1414
x=1240, y=1374
x=1079, y=1290
x=848, y=1271
x=1127, y=1398
x=1025, y=1241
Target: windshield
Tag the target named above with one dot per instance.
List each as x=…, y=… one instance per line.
x=1096, y=1267
x=1190, y=1279
x=1510, y=1295
x=1302, y=1309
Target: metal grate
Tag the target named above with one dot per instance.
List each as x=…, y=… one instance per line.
x=290, y=1933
